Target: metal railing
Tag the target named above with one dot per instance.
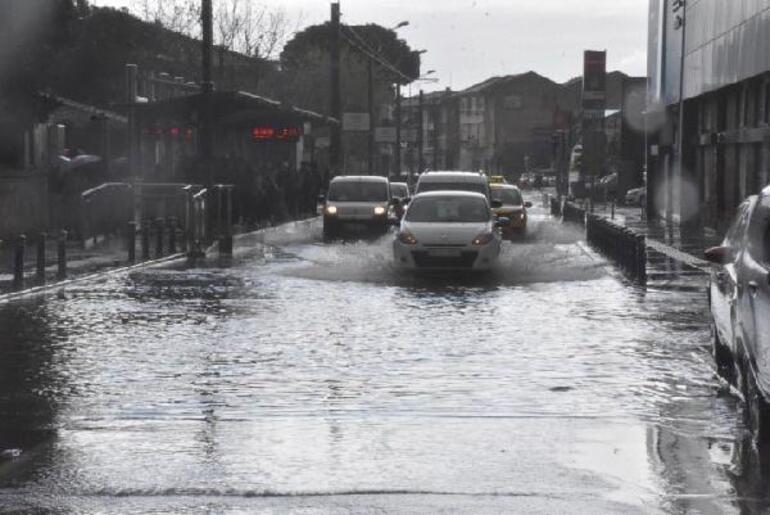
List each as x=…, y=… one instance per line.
x=622, y=245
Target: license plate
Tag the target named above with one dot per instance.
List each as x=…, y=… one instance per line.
x=445, y=252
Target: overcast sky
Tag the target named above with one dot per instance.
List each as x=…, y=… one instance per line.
x=471, y=40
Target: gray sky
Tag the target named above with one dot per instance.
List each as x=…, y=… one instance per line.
x=471, y=40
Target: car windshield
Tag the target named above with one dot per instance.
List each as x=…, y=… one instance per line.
x=399, y=190
x=473, y=187
x=358, y=191
x=507, y=196
x=448, y=209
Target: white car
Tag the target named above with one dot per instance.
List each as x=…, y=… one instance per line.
x=636, y=197
x=448, y=230
x=460, y=181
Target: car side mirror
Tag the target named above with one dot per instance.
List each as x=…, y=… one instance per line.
x=528, y=204
x=395, y=201
x=719, y=255
x=496, y=204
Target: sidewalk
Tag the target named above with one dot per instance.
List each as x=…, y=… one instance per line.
x=674, y=251
x=80, y=261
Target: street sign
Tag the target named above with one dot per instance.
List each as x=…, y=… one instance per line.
x=594, y=103
x=385, y=134
x=355, y=122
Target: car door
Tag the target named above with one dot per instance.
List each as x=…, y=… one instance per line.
x=724, y=280
x=753, y=311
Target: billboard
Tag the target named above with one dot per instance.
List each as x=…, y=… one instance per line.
x=594, y=105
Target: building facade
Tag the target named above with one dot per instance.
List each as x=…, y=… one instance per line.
x=711, y=57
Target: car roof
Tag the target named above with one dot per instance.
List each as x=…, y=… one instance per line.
x=455, y=176
x=359, y=178
x=503, y=186
x=450, y=193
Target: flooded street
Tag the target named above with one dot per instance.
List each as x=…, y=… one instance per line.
x=306, y=377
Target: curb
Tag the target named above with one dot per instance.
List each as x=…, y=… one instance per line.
x=39, y=290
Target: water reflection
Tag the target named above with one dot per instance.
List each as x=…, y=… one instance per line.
x=31, y=388
x=311, y=369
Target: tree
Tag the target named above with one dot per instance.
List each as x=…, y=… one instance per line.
x=255, y=30
x=305, y=62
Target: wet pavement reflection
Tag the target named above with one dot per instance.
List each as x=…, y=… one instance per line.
x=313, y=377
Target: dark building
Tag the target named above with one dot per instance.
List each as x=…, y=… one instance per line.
x=700, y=172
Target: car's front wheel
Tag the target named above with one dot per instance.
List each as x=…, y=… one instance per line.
x=757, y=410
x=723, y=358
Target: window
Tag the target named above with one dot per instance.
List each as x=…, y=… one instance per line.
x=448, y=209
x=759, y=232
x=358, y=191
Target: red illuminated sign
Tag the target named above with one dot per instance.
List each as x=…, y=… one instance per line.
x=268, y=133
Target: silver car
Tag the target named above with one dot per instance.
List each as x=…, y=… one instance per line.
x=448, y=230
x=356, y=205
x=739, y=298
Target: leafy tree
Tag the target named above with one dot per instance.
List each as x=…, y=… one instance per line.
x=305, y=62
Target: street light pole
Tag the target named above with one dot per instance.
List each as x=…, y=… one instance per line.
x=420, y=135
x=370, y=80
x=398, y=130
x=336, y=93
x=207, y=86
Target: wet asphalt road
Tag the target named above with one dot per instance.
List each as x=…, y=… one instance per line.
x=313, y=378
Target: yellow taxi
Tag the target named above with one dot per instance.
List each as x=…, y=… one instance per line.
x=497, y=179
x=510, y=204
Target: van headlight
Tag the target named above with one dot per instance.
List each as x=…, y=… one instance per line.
x=331, y=210
x=484, y=238
x=380, y=211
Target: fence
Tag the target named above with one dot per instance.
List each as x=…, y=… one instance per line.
x=620, y=244
x=572, y=213
x=625, y=247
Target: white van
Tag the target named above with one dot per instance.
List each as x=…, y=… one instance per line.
x=356, y=204
x=454, y=181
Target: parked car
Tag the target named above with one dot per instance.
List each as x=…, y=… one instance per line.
x=356, y=205
x=448, y=230
x=636, y=197
x=739, y=299
x=512, y=208
x=454, y=181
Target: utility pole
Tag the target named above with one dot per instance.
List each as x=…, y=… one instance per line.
x=206, y=143
x=420, y=135
x=398, y=131
x=681, y=21
x=370, y=79
x=336, y=91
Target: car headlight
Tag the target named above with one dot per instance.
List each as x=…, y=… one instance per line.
x=379, y=211
x=407, y=238
x=331, y=210
x=484, y=238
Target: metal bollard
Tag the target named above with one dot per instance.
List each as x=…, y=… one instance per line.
x=641, y=256
x=145, y=240
x=18, y=262
x=172, y=228
x=158, y=238
x=40, y=269
x=61, y=255
x=131, y=242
